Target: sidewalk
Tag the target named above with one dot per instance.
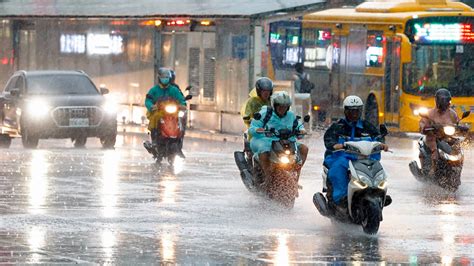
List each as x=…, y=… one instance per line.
x=190, y=133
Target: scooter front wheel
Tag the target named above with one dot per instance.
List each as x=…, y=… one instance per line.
x=283, y=188
x=371, y=220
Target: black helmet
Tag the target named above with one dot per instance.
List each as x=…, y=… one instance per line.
x=173, y=75
x=443, y=99
x=264, y=84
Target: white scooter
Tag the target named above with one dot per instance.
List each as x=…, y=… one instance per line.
x=367, y=189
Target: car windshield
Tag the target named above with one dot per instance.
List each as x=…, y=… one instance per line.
x=61, y=84
x=441, y=66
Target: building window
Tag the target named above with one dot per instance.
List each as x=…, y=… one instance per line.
x=72, y=43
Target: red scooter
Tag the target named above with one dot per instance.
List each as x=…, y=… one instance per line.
x=171, y=127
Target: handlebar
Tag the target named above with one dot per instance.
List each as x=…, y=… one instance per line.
x=290, y=133
x=440, y=129
x=354, y=150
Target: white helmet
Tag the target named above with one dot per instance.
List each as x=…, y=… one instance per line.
x=281, y=98
x=353, y=102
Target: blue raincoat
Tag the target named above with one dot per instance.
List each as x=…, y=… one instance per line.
x=338, y=163
x=261, y=143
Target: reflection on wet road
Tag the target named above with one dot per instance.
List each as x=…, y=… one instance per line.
x=64, y=205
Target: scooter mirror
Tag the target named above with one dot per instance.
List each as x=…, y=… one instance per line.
x=306, y=118
x=257, y=116
x=15, y=92
x=188, y=88
x=383, y=130
x=465, y=114
x=104, y=91
x=188, y=97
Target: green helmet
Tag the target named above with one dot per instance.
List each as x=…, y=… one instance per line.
x=281, y=98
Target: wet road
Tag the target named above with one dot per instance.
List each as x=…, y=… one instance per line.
x=64, y=205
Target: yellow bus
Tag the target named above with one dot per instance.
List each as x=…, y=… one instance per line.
x=395, y=55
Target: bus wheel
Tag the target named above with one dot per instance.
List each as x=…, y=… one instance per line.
x=372, y=111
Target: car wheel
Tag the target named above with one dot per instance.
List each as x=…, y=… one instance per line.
x=5, y=141
x=80, y=142
x=29, y=140
x=108, y=142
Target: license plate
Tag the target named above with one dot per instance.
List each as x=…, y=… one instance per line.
x=79, y=122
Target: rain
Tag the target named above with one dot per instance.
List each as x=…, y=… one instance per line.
x=79, y=185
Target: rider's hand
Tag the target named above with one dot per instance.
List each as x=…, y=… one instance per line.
x=154, y=108
x=301, y=134
x=384, y=147
x=338, y=146
x=260, y=130
x=428, y=130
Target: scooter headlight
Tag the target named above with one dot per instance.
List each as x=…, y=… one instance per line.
x=449, y=157
x=362, y=181
x=360, y=184
x=171, y=109
x=420, y=111
x=382, y=185
x=449, y=130
x=180, y=114
x=284, y=159
x=380, y=178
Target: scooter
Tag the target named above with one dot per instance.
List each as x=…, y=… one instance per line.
x=281, y=185
x=367, y=189
x=171, y=127
x=449, y=140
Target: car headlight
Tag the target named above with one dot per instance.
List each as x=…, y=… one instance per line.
x=171, y=109
x=38, y=108
x=284, y=159
x=420, y=111
x=449, y=130
x=110, y=107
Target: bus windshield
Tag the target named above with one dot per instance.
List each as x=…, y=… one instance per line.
x=441, y=66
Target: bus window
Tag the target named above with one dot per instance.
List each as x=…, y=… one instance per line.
x=441, y=66
x=285, y=44
x=375, y=49
x=317, y=45
x=293, y=48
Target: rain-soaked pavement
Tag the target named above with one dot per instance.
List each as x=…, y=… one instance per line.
x=64, y=205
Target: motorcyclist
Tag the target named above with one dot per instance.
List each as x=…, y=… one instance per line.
x=281, y=118
x=173, y=80
x=184, y=118
x=440, y=115
x=338, y=162
x=258, y=98
x=161, y=91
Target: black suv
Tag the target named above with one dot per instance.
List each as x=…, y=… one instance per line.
x=55, y=104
